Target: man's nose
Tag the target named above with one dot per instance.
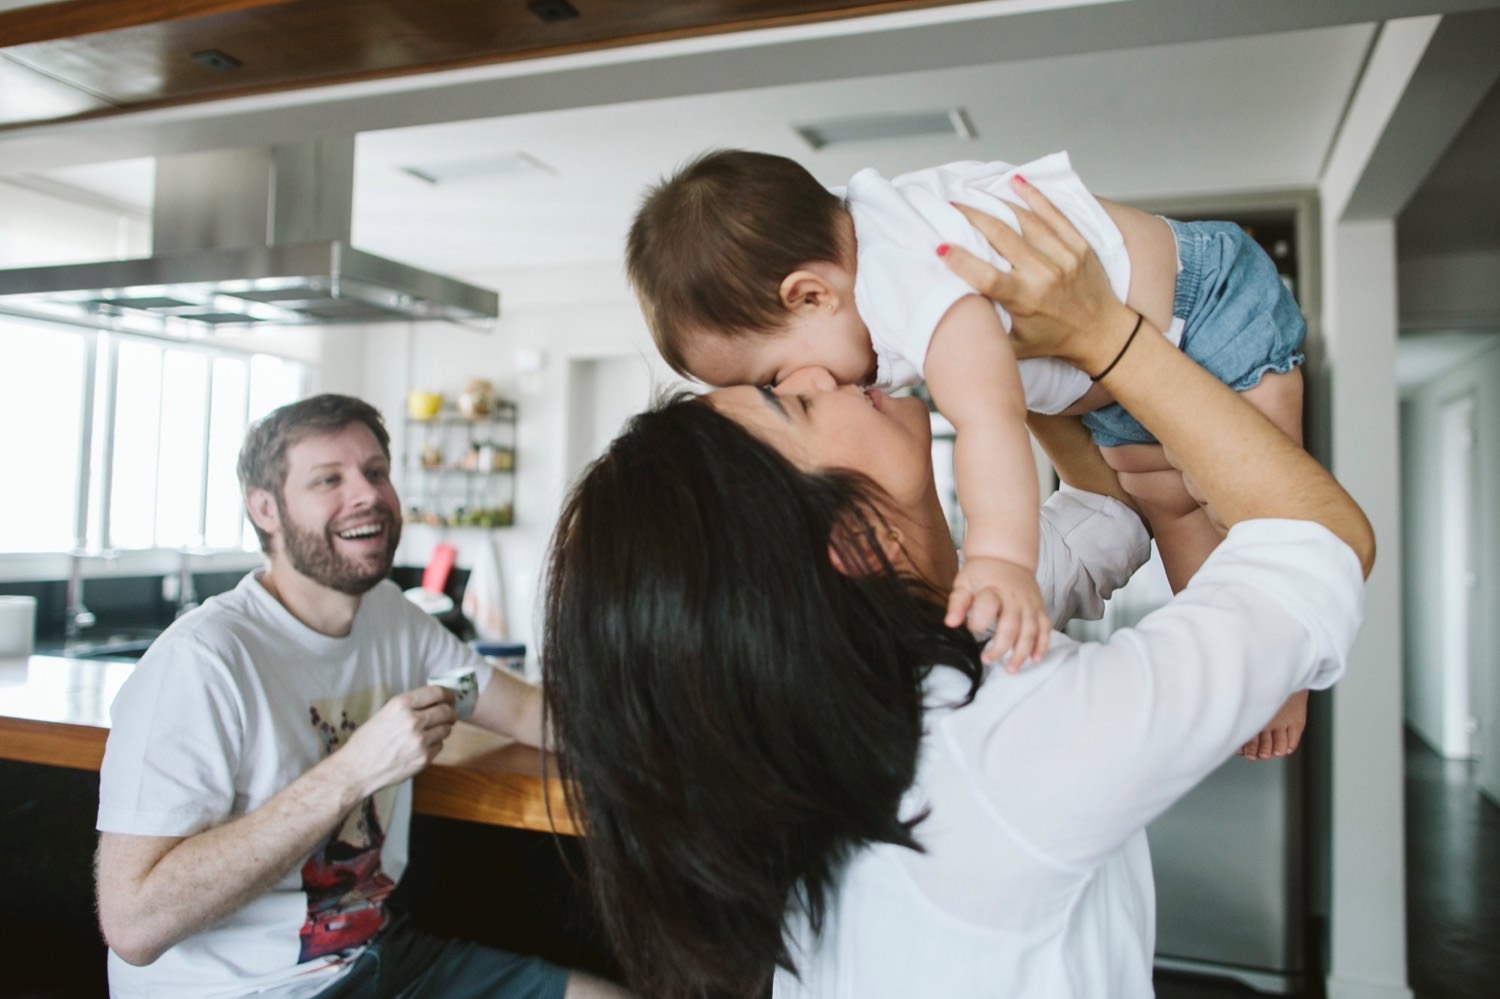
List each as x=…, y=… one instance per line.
x=361, y=492
x=809, y=379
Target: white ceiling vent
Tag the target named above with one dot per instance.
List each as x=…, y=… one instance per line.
x=952, y=123
x=498, y=165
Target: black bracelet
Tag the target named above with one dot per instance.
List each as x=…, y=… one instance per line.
x=1134, y=330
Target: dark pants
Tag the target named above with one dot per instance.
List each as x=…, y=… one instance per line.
x=403, y=963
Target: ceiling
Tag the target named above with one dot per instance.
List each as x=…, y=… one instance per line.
x=1154, y=99
x=101, y=57
x=1422, y=358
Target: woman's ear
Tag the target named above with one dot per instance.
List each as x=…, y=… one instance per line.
x=865, y=551
x=807, y=291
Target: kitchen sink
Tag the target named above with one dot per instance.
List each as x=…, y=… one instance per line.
x=122, y=646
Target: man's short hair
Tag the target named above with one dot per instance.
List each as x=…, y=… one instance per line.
x=262, y=463
x=710, y=246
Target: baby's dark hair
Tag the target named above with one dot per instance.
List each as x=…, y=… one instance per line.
x=710, y=246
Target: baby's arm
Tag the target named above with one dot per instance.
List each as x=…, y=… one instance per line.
x=971, y=372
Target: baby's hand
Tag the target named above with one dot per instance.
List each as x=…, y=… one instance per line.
x=1000, y=598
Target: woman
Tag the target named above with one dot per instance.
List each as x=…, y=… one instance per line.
x=789, y=768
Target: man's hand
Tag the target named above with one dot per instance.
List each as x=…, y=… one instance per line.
x=399, y=739
x=993, y=596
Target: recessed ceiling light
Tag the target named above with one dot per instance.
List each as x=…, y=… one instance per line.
x=953, y=123
x=500, y=165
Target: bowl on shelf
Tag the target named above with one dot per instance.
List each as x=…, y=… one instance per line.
x=423, y=405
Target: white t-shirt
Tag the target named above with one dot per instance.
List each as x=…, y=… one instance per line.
x=1037, y=883
x=229, y=706
x=902, y=288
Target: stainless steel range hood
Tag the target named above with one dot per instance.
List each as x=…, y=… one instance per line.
x=245, y=238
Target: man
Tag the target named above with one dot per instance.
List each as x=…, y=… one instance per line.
x=255, y=795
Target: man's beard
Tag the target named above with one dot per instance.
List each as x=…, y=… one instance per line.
x=314, y=554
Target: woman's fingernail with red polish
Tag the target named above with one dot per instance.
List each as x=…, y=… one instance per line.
x=942, y=249
x=1020, y=179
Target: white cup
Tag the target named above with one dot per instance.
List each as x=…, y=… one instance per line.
x=17, y=626
x=464, y=683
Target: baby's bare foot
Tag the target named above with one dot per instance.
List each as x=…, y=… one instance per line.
x=1282, y=734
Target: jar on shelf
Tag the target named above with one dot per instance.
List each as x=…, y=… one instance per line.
x=477, y=399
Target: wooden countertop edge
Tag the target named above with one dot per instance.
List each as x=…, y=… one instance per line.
x=58, y=744
x=451, y=790
x=518, y=801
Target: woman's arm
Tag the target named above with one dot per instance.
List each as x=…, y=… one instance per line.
x=1061, y=305
x=1132, y=724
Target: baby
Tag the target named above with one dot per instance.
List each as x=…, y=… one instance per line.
x=747, y=268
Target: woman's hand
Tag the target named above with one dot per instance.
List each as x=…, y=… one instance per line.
x=1057, y=294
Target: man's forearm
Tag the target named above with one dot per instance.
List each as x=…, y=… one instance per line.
x=511, y=707
x=147, y=905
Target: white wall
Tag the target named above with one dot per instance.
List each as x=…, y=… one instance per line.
x=1450, y=291
x=1421, y=485
x=37, y=229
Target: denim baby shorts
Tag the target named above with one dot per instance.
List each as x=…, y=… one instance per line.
x=1238, y=320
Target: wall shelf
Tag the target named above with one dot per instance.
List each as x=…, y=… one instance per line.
x=460, y=470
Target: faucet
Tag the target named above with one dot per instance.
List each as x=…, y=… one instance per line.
x=78, y=618
x=187, y=595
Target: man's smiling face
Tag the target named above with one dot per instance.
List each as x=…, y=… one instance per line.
x=339, y=514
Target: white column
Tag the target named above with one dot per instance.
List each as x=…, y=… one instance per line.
x=1367, y=905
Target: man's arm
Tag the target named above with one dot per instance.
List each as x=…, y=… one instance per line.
x=512, y=707
x=155, y=891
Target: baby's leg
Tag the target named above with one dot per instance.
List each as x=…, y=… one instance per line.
x=1184, y=533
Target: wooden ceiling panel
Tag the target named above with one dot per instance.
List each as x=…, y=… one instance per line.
x=286, y=45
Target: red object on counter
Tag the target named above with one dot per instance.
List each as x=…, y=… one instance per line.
x=435, y=576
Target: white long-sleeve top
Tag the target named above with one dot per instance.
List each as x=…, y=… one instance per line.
x=1036, y=880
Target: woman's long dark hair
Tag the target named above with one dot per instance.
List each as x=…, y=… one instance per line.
x=735, y=717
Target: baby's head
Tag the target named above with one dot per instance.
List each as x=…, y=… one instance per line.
x=744, y=267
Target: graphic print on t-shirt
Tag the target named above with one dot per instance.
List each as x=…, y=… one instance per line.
x=345, y=884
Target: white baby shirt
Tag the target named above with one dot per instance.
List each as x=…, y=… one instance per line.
x=902, y=288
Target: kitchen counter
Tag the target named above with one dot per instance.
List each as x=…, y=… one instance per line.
x=55, y=711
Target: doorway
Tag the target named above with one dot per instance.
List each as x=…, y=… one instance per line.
x=603, y=392
x=1459, y=580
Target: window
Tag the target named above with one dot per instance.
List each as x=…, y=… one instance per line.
x=167, y=422
x=41, y=412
